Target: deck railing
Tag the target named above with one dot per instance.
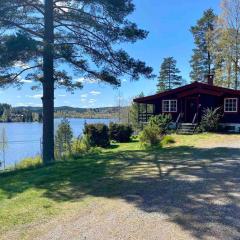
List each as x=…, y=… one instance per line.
x=194, y=118
x=144, y=117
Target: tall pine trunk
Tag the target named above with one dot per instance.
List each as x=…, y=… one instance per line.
x=229, y=75
x=209, y=63
x=236, y=75
x=48, y=84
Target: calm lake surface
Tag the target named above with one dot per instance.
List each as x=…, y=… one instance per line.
x=24, y=138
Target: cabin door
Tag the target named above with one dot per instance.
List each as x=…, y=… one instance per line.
x=191, y=109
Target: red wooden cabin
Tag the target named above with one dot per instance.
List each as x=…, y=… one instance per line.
x=186, y=104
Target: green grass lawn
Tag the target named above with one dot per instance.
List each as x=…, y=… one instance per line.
x=30, y=196
x=35, y=194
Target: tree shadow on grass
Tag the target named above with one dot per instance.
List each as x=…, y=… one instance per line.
x=199, y=189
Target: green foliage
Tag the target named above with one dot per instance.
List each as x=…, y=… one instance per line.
x=87, y=38
x=210, y=119
x=168, y=140
x=81, y=145
x=63, y=139
x=94, y=29
x=226, y=45
x=120, y=132
x=169, y=77
x=134, y=114
x=150, y=136
x=154, y=131
x=4, y=107
x=29, y=163
x=161, y=121
x=18, y=114
x=202, y=61
x=98, y=135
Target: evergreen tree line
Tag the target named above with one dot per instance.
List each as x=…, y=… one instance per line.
x=9, y=114
x=217, y=50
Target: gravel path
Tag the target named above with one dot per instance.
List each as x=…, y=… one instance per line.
x=192, y=195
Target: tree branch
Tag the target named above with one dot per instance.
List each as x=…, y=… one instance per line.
x=22, y=28
x=24, y=70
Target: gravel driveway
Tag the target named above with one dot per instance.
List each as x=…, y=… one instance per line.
x=181, y=193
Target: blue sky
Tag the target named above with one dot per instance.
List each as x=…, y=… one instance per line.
x=168, y=23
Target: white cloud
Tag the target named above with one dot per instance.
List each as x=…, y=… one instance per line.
x=83, y=100
x=36, y=96
x=86, y=80
x=62, y=95
x=124, y=80
x=84, y=95
x=63, y=6
x=20, y=104
x=28, y=104
x=92, y=100
x=25, y=81
x=95, y=92
x=22, y=65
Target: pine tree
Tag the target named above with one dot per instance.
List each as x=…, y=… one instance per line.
x=63, y=138
x=169, y=77
x=6, y=116
x=202, y=62
x=227, y=44
x=49, y=35
x=133, y=114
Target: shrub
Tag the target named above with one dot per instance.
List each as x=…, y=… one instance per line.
x=167, y=140
x=120, y=132
x=150, y=136
x=81, y=145
x=157, y=126
x=162, y=122
x=63, y=139
x=210, y=119
x=98, y=135
x=29, y=163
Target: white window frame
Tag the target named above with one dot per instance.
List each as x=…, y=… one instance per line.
x=169, y=105
x=225, y=101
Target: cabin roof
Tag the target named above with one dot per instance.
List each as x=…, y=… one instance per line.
x=190, y=89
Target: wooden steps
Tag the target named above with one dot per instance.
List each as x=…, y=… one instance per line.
x=186, y=128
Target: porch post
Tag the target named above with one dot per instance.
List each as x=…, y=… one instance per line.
x=198, y=107
x=146, y=110
x=138, y=107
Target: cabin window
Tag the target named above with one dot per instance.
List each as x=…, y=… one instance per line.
x=230, y=105
x=169, y=105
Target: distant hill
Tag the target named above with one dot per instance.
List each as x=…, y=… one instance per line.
x=103, y=112
x=71, y=109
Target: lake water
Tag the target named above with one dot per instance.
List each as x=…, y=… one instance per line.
x=24, y=138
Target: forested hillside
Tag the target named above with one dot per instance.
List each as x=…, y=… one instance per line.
x=30, y=114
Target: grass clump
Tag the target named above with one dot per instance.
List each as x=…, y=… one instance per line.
x=167, y=140
x=29, y=163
